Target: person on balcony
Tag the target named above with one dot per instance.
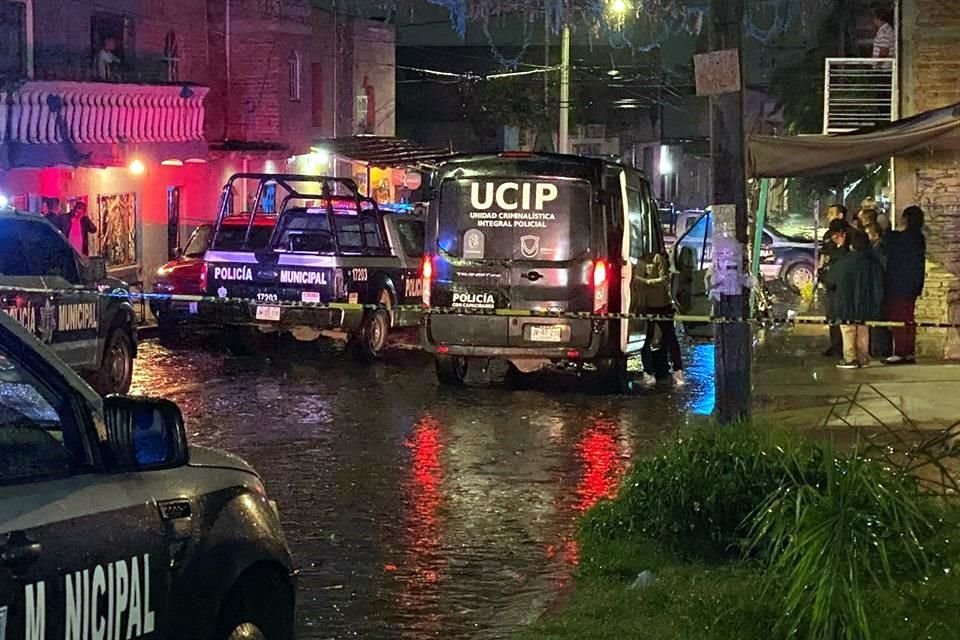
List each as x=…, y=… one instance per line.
x=883, y=42
x=107, y=64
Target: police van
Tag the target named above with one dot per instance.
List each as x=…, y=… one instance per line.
x=350, y=265
x=515, y=233
x=55, y=293
x=112, y=527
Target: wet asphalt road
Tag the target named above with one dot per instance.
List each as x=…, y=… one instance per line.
x=412, y=510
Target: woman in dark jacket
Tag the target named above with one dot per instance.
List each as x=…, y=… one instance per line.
x=858, y=297
x=906, y=267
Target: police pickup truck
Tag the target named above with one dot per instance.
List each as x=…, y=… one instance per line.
x=59, y=297
x=112, y=527
x=329, y=254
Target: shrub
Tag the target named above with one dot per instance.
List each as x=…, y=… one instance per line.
x=827, y=541
x=694, y=496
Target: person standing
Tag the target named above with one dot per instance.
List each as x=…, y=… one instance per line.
x=661, y=334
x=857, y=278
x=885, y=39
x=829, y=253
x=77, y=226
x=906, y=270
x=51, y=211
x=106, y=62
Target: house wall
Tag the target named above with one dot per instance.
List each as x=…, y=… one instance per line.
x=63, y=49
x=930, y=30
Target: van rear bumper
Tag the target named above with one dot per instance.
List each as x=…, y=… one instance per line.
x=596, y=346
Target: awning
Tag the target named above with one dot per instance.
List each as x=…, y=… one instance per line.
x=381, y=151
x=800, y=156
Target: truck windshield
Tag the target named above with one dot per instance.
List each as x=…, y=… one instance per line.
x=528, y=218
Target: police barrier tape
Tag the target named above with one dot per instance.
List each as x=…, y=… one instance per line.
x=792, y=319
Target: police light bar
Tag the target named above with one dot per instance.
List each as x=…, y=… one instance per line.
x=4, y=201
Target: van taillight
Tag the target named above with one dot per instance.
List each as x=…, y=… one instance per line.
x=600, y=286
x=426, y=272
x=203, y=278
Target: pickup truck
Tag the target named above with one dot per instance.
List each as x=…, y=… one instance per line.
x=336, y=266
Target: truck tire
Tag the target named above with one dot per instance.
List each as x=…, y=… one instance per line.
x=116, y=365
x=451, y=370
x=369, y=344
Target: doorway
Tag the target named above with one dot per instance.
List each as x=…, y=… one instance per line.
x=173, y=221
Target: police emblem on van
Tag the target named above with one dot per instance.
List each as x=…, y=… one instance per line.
x=530, y=246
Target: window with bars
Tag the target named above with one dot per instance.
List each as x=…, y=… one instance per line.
x=295, y=72
x=171, y=56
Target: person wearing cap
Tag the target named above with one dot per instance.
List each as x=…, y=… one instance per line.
x=829, y=253
x=857, y=279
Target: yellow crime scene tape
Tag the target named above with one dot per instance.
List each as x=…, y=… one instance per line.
x=792, y=319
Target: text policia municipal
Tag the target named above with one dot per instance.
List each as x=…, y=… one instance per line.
x=109, y=602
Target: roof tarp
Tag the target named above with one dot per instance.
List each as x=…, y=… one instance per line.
x=380, y=151
x=800, y=156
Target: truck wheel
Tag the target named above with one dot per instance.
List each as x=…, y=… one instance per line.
x=368, y=346
x=613, y=374
x=451, y=370
x=116, y=367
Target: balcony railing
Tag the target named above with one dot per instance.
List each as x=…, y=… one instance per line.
x=45, y=112
x=859, y=92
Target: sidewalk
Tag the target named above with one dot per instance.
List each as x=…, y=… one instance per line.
x=796, y=386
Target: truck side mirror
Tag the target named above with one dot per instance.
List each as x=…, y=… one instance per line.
x=144, y=433
x=96, y=269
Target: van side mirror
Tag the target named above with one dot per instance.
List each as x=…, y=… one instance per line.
x=96, y=269
x=144, y=433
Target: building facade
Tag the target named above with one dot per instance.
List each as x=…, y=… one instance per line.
x=143, y=110
x=929, y=31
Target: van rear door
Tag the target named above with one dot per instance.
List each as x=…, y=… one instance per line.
x=520, y=244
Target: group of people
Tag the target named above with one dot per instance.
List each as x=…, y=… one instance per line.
x=75, y=224
x=870, y=273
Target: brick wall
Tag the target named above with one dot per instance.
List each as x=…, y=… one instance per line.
x=930, y=31
x=63, y=50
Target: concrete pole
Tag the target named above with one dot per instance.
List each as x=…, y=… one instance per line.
x=563, y=142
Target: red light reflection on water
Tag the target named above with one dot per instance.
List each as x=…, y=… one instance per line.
x=423, y=563
x=603, y=458
x=603, y=453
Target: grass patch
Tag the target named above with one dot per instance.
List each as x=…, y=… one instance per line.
x=755, y=536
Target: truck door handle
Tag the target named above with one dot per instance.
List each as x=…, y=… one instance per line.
x=19, y=551
x=532, y=276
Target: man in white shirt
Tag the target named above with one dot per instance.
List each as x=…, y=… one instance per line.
x=884, y=41
x=106, y=62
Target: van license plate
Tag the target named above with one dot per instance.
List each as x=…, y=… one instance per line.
x=546, y=333
x=268, y=313
x=194, y=308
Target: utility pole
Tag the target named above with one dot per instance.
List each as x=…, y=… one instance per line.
x=734, y=339
x=563, y=141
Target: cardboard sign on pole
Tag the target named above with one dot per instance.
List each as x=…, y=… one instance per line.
x=717, y=72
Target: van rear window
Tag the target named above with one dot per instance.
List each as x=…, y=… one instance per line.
x=514, y=218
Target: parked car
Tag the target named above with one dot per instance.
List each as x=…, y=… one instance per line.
x=183, y=275
x=523, y=232
x=67, y=301
x=112, y=526
x=787, y=259
x=330, y=249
